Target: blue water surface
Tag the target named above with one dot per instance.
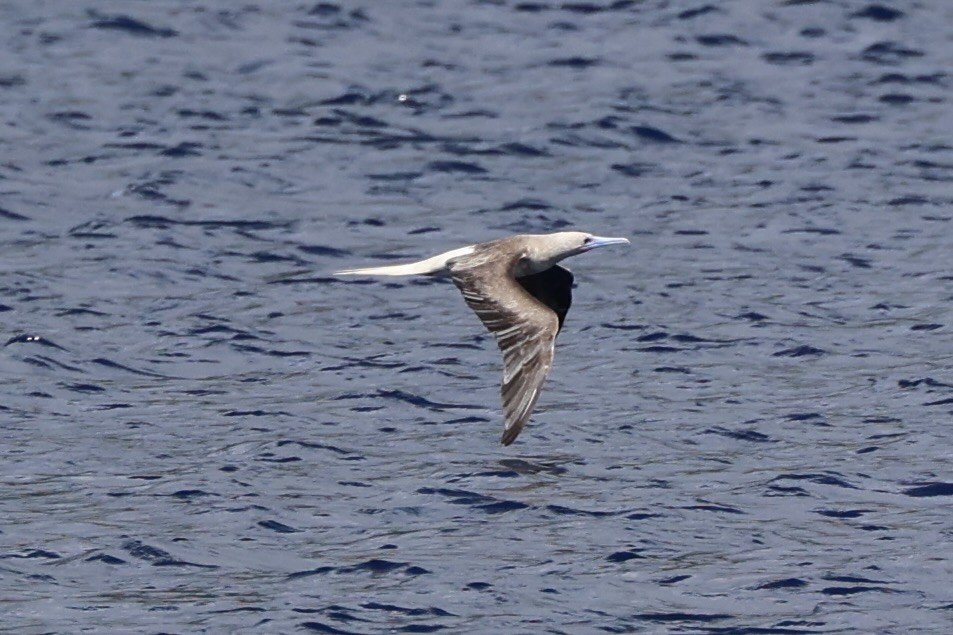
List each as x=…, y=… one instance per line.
x=748, y=425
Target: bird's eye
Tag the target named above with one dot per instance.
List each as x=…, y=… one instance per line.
x=587, y=240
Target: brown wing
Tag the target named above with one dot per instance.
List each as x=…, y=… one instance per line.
x=525, y=331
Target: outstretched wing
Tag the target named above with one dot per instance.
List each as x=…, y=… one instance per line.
x=524, y=327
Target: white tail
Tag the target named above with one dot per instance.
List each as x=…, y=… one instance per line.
x=436, y=264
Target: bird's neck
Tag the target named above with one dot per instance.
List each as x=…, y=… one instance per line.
x=528, y=267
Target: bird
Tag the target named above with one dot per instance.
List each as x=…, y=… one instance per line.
x=521, y=293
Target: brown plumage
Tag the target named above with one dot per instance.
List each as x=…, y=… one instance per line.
x=521, y=295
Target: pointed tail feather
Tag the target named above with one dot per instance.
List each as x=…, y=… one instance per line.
x=436, y=264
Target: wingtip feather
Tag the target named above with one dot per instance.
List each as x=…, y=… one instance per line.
x=510, y=434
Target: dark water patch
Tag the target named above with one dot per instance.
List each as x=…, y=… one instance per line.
x=833, y=139
x=623, y=327
x=91, y=231
x=501, y=507
x=575, y=62
x=648, y=133
x=422, y=402
x=532, y=7
x=823, y=231
x=854, y=590
x=395, y=176
x=929, y=490
x=817, y=478
x=741, y=435
x=108, y=363
x=814, y=417
x=660, y=349
x=570, y=511
x=674, y=580
x=188, y=494
x=835, y=513
x=589, y=8
x=718, y=509
x=467, y=420
x=297, y=575
x=183, y=149
x=526, y=467
x=491, y=474
x=720, y=40
x=888, y=53
x=329, y=16
x=71, y=118
x=785, y=583
x=625, y=555
x=634, y=170
x=268, y=257
x=131, y=26
x=323, y=250
x=857, y=118
x=376, y=566
x=681, y=617
x=87, y=389
x=532, y=204
x=42, y=361
x=926, y=327
x=270, y=352
x=320, y=446
x=33, y=554
x=158, y=557
x=105, y=558
x=277, y=527
x=207, y=115
x=856, y=261
x=361, y=121
x=403, y=610
x=896, y=99
x=879, y=13
x=256, y=413
x=486, y=504
x=682, y=57
x=940, y=402
x=270, y=457
x=924, y=381
x=462, y=167
x=151, y=221
x=417, y=231
x=321, y=627
x=524, y=150
x=689, y=14
x=902, y=201
x=136, y=146
x=799, y=351
x=792, y=58
x=114, y=406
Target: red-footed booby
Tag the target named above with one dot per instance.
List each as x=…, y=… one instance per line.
x=521, y=295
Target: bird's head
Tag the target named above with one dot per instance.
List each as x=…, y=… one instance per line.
x=548, y=249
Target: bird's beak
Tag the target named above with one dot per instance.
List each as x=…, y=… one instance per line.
x=599, y=241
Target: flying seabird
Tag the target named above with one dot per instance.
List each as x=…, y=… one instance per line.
x=521, y=295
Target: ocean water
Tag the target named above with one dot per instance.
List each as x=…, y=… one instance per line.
x=748, y=425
